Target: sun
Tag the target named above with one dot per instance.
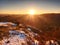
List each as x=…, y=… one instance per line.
x=31, y=12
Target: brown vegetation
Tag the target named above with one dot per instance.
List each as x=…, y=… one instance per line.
x=48, y=23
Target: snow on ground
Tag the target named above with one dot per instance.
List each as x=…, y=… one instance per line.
x=15, y=40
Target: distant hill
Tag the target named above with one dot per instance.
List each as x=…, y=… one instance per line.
x=51, y=19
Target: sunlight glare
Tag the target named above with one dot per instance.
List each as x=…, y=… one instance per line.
x=32, y=12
